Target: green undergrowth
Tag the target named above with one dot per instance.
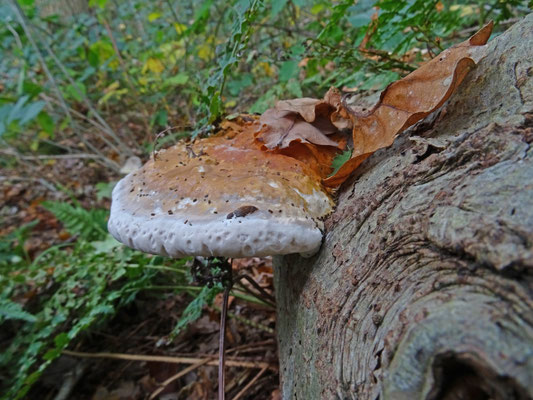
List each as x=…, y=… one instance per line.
x=71, y=288
x=182, y=65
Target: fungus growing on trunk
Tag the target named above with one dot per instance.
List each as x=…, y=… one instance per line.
x=221, y=196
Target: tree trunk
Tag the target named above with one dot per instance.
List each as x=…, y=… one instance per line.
x=422, y=288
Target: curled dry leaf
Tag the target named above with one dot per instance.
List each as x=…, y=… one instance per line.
x=304, y=120
x=280, y=128
x=407, y=101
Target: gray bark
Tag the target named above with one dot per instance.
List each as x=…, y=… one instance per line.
x=423, y=286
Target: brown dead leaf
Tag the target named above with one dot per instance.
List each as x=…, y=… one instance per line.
x=407, y=101
x=306, y=107
x=304, y=120
x=281, y=128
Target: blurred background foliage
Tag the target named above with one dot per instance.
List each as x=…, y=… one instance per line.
x=98, y=79
x=103, y=76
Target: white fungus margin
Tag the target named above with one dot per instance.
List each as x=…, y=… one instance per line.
x=255, y=235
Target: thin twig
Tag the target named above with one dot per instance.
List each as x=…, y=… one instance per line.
x=42, y=181
x=15, y=35
x=469, y=31
x=243, y=288
x=157, y=137
x=250, y=345
x=230, y=361
x=71, y=378
x=50, y=156
x=173, y=12
x=94, y=123
x=23, y=158
x=252, y=282
x=249, y=384
x=114, y=43
x=177, y=376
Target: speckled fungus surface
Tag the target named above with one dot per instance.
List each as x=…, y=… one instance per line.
x=221, y=196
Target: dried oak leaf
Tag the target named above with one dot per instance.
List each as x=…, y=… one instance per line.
x=304, y=120
x=407, y=101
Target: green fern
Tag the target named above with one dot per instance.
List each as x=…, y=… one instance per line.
x=11, y=310
x=88, y=224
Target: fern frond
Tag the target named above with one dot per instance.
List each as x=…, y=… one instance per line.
x=88, y=224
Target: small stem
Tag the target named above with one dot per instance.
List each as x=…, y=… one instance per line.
x=228, y=283
x=168, y=287
x=247, y=321
x=222, y=343
x=163, y=268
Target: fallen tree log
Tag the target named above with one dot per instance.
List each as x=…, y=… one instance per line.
x=423, y=286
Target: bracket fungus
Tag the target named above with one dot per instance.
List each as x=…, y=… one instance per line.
x=261, y=185
x=221, y=196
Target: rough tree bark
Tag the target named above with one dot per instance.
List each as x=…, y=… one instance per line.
x=422, y=288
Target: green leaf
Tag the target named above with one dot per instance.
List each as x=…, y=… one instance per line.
x=277, y=6
x=51, y=354
x=61, y=340
x=288, y=70
x=77, y=91
x=340, y=160
x=46, y=122
x=294, y=88
x=160, y=118
x=16, y=112
x=317, y=8
x=31, y=111
x=153, y=16
x=236, y=86
x=176, y=80
x=98, y=3
x=93, y=58
x=106, y=246
x=11, y=310
x=88, y=224
x=359, y=20
x=104, y=189
x=31, y=88
x=195, y=308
